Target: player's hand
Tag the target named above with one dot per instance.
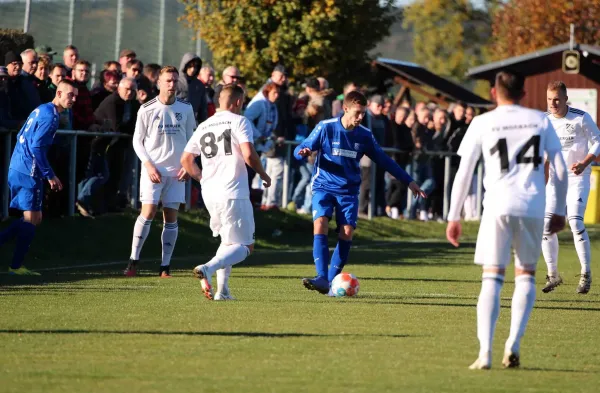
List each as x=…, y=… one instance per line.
x=182, y=175
x=304, y=152
x=578, y=168
x=266, y=180
x=55, y=184
x=453, y=232
x=416, y=190
x=153, y=173
x=557, y=223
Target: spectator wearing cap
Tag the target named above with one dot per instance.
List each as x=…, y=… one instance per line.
x=110, y=82
x=24, y=97
x=207, y=77
x=189, y=88
x=125, y=57
x=6, y=119
x=70, y=57
x=231, y=74
x=45, y=50
x=379, y=125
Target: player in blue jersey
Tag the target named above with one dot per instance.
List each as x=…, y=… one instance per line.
x=29, y=168
x=340, y=143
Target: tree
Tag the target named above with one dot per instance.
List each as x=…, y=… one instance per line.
x=449, y=36
x=327, y=38
x=523, y=26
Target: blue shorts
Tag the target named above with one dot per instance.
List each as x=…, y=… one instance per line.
x=346, y=207
x=26, y=192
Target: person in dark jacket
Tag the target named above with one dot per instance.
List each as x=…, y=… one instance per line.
x=23, y=95
x=110, y=82
x=190, y=88
x=402, y=140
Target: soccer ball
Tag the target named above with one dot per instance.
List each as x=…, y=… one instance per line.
x=345, y=284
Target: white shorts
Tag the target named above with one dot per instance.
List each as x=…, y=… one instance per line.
x=498, y=235
x=577, y=197
x=169, y=191
x=232, y=219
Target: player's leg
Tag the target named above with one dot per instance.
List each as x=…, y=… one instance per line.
x=236, y=227
x=173, y=195
x=493, y=252
x=150, y=194
x=577, y=196
x=550, y=243
x=527, y=251
x=322, y=205
x=346, y=215
x=26, y=195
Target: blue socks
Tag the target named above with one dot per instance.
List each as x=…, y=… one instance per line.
x=321, y=255
x=25, y=233
x=339, y=258
x=10, y=231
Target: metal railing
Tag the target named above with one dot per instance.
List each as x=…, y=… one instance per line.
x=290, y=145
x=72, y=176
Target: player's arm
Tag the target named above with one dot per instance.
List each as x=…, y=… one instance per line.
x=188, y=158
x=375, y=153
x=190, y=125
x=560, y=178
x=43, y=138
x=138, y=145
x=253, y=161
x=244, y=136
x=310, y=144
x=469, y=152
x=592, y=133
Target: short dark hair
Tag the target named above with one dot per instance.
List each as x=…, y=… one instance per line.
x=82, y=62
x=268, y=88
x=67, y=82
x=110, y=63
x=58, y=65
x=152, y=67
x=135, y=62
x=70, y=47
x=313, y=83
x=557, y=86
x=510, y=84
x=355, y=97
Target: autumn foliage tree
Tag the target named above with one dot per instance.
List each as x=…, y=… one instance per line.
x=329, y=38
x=523, y=26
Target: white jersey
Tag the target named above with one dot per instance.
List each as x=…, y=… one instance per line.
x=513, y=140
x=579, y=136
x=217, y=140
x=161, y=133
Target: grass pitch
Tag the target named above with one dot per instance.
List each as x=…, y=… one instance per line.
x=84, y=328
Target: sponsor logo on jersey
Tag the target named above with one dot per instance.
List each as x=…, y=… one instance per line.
x=178, y=116
x=357, y=146
x=335, y=143
x=570, y=128
x=344, y=153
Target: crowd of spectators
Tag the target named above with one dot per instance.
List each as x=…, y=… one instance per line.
x=105, y=165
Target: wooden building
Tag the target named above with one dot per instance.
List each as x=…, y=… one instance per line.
x=546, y=65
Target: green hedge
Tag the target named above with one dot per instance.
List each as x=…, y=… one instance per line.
x=14, y=40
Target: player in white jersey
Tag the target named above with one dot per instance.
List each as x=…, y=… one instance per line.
x=225, y=144
x=513, y=141
x=580, y=141
x=164, y=125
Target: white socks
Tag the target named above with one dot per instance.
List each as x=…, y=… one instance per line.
x=169, y=238
x=488, y=309
x=229, y=256
x=522, y=304
x=582, y=245
x=140, y=233
x=550, y=251
x=223, y=280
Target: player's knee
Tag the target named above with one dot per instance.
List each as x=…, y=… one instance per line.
x=170, y=214
x=148, y=212
x=250, y=248
x=522, y=271
x=32, y=217
x=321, y=226
x=346, y=232
x=576, y=224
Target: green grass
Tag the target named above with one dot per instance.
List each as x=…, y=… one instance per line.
x=410, y=329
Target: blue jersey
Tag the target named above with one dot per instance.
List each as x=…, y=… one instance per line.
x=337, y=167
x=33, y=142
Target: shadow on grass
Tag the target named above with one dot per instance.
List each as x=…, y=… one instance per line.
x=188, y=333
x=558, y=370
